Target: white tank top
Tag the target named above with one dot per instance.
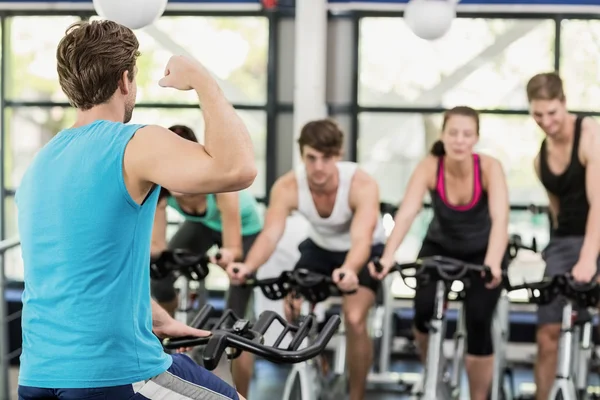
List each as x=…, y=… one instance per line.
x=332, y=233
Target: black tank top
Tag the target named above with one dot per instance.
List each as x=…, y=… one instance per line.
x=463, y=229
x=569, y=187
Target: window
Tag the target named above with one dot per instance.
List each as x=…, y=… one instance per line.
x=30, y=128
x=255, y=122
x=31, y=68
x=392, y=144
x=234, y=49
x=515, y=141
x=580, y=65
x=482, y=62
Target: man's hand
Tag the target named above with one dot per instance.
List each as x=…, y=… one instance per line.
x=584, y=270
x=173, y=328
x=181, y=72
x=238, y=273
x=345, y=279
x=385, y=263
x=226, y=257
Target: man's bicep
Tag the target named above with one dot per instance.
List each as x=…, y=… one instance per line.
x=159, y=156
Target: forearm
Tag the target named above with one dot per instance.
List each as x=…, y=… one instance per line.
x=226, y=137
x=261, y=251
x=358, y=256
x=591, y=242
x=159, y=315
x=497, y=244
x=401, y=227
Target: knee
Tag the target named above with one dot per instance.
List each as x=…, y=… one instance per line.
x=423, y=308
x=547, y=339
x=479, y=337
x=356, y=321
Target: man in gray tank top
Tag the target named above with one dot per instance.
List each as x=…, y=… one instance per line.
x=341, y=204
x=568, y=166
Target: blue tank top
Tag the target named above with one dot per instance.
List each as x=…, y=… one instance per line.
x=87, y=318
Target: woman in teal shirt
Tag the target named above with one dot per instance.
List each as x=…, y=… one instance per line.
x=231, y=221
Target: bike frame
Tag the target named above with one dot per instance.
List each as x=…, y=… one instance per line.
x=500, y=332
x=564, y=385
x=434, y=388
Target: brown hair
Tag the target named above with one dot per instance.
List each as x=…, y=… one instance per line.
x=323, y=135
x=185, y=132
x=438, y=147
x=91, y=59
x=545, y=86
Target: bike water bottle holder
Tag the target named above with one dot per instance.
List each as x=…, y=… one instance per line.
x=232, y=332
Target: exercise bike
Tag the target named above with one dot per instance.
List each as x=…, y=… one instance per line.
x=187, y=268
x=438, y=382
x=501, y=388
x=575, y=343
x=307, y=380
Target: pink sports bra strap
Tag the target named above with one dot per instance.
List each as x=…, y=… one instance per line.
x=477, y=187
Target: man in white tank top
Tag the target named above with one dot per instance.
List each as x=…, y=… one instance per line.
x=341, y=203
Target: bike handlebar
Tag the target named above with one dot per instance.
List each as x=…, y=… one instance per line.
x=230, y=331
x=193, y=266
x=313, y=286
x=438, y=268
x=542, y=292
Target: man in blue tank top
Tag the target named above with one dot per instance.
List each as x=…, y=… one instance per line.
x=85, y=208
x=568, y=165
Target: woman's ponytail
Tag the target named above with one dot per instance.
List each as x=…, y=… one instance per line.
x=438, y=149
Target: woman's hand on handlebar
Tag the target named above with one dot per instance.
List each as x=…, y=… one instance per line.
x=496, y=270
x=381, y=270
x=345, y=279
x=238, y=273
x=223, y=258
x=172, y=328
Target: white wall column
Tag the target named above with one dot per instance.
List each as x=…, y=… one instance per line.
x=310, y=67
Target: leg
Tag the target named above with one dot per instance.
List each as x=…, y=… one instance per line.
x=359, y=348
x=424, y=303
x=480, y=304
x=186, y=379
x=239, y=299
x=242, y=367
x=560, y=256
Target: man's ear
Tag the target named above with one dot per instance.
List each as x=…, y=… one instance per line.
x=124, y=83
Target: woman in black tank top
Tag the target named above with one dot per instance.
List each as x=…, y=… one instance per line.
x=469, y=198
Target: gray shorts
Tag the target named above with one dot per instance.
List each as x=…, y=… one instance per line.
x=561, y=255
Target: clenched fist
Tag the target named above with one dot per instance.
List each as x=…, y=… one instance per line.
x=182, y=73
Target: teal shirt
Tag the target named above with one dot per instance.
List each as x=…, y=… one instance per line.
x=87, y=317
x=252, y=222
